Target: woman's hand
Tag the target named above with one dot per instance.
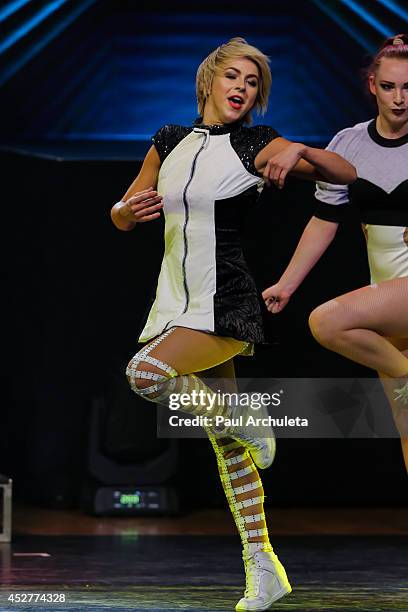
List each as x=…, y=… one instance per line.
x=278, y=166
x=276, y=298
x=143, y=206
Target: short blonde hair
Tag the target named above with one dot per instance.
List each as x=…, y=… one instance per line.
x=234, y=48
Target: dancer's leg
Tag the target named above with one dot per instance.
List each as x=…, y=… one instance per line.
x=402, y=345
x=189, y=350
x=171, y=362
x=232, y=458
x=358, y=323
x=266, y=579
x=370, y=326
x=167, y=366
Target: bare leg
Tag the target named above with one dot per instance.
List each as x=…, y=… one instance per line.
x=370, y=326
x=358, y=324
x=402, y=345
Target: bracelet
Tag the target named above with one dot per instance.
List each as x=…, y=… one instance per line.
x=123, y=207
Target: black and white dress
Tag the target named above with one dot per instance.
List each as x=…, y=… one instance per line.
x=380, y=195
x=208, y=181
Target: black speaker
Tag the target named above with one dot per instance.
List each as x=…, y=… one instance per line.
x=130, y=469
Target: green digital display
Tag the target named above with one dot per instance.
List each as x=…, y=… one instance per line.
x=129, y=499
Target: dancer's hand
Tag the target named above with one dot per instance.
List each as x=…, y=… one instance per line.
x=279, y=165
x=143, y=206
x=276, y=298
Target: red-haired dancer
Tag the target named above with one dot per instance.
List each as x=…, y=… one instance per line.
x=369, y=325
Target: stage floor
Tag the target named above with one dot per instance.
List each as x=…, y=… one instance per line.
x=130, y=570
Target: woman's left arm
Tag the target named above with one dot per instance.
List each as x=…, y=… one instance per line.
x=281, y=157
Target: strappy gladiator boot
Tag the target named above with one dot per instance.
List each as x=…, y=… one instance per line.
x=259, y=440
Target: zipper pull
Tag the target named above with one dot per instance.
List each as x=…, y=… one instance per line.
x=206, y=135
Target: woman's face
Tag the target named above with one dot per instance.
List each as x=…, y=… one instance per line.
x=234, y=91
x=390, y=86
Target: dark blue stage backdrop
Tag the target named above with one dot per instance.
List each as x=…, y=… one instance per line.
x=115, y=70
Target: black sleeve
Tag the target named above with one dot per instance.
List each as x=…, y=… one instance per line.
x=247, y=142
x=159, y=141
x=168, y=137
x=328, y=212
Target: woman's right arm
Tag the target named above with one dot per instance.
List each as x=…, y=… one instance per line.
x=333, y=200
x=314, y=241
x=141, y=201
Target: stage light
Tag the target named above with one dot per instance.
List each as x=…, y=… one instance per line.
x=133, y=501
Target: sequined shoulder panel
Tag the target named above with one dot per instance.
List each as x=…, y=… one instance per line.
x=248, y=141
x=168, y=137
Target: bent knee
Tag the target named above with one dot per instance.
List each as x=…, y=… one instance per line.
x=142, y=375
x=325, y=322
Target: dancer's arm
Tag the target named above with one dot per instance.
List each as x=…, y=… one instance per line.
x=281, y=156
x=314, y=241
x=141, y=201
x=333, y=200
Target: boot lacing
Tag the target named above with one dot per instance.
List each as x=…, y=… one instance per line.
x=402, y=394
x=253, y=570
